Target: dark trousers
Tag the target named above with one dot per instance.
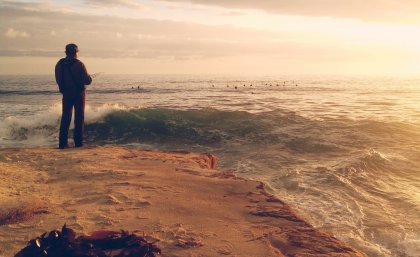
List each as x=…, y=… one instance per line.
x=70, y=101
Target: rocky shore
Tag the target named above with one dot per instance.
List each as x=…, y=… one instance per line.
x=179, y=199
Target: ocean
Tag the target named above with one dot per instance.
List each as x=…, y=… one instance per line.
x=344, y=152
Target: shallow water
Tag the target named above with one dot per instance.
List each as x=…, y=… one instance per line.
x=344, y=152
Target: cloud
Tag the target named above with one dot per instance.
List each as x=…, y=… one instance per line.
x=130, y=40
x=13, y=33
x=37, y=6
x=372, y=10
x=115, y=37
x=115, y=3
x=30, y=52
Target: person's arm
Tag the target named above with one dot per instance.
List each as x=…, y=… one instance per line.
x=59, y=76
x=86, y=78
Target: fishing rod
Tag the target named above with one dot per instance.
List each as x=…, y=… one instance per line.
x=94, y=75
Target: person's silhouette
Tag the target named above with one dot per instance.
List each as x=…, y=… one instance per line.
x=72, y=78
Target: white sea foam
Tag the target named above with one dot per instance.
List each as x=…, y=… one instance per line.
x=95, y=114
x=29, y=130
x=41, y=130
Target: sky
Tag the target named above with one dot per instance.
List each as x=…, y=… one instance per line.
x=228, y=37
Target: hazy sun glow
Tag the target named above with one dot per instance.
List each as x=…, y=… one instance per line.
x=199, y=36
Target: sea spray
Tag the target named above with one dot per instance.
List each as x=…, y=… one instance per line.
x=31, y=130
x=41, y=130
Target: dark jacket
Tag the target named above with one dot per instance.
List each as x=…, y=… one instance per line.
x=71, y=76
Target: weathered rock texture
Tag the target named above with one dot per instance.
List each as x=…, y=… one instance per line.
x=178, y=199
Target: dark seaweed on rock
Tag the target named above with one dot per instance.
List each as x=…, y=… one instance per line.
x=64, y=243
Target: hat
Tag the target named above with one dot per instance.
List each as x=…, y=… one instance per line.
x=71, y=49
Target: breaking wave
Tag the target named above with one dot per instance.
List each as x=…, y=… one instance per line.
x=122, y=125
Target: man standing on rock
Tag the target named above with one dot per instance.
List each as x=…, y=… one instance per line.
x=72, y=78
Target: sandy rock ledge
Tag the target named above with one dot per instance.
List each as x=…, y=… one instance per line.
x=179, y=199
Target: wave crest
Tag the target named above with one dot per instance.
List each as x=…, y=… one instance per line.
x=207, y=126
